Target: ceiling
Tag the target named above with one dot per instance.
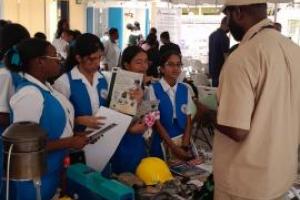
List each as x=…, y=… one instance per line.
x=220, y=2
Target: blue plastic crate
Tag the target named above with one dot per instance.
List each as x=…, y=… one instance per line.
x=90, y=184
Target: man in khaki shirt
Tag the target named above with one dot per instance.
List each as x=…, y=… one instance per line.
x=255, y=147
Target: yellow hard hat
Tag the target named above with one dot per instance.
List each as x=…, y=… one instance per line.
x=153, y=171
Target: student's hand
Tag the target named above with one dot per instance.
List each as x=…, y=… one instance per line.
x=147, y=79
x=82, y=133
x=79, y=141
x=180, y=153
x=106, y=67
x=90, y=121
x=137, y=94
x=138, y=127
x=185, y=145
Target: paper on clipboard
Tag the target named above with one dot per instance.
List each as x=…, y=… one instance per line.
x=122, y=81
x=106, y=139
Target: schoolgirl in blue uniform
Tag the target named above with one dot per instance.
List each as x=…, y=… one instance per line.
x=10, y=35
x=84, y=85
x=36, y=101
x=132, y=148
x=175, y=103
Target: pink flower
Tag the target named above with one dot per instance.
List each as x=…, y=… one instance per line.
x=150, y=118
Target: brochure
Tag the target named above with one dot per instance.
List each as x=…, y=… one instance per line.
x=122, y=82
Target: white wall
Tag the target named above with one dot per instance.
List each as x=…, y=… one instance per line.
x=284, y=16
x=78, y=16
x=29, y=13
x=1, y=9
x=41, y=15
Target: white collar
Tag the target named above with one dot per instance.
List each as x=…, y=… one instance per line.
x=60, y=39
x=112, y=43
x=77, y=75
x=46, y=86
x=165, y=85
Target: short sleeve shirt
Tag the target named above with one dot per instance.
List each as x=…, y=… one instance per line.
x=62, y=85
x=28, y=103
x=171, y=91
x=259, y=91
x=7, y=89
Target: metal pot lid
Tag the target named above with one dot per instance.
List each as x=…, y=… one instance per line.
x=24, y=132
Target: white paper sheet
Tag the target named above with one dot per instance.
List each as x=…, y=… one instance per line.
x=98, y=154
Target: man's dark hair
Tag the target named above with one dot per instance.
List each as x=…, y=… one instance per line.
x=130, y=27
x=113, y=31
x=137, y=25
x=165, y=35
x=277, y=26
x=224, y=21
x=40, y=35
x=153, y=30
x=151, y=39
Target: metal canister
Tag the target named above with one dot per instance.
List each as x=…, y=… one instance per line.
x=28, y=155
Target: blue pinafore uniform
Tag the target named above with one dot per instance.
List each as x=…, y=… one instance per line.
x=174, y=127
x=16, y=80
x=130, y=152
x=80, y=98
x=53, y=121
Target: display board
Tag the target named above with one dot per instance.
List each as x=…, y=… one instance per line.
x=169, y=20
x=198, y=29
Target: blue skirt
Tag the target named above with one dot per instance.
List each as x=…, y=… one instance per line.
x=24, y=190
x=130, y=152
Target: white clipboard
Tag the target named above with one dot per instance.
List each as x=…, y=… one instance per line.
x=106, y=139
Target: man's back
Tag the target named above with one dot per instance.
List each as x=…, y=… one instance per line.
x=111, y=54
x=153, y=56
x=218, y=46
x=260, y=92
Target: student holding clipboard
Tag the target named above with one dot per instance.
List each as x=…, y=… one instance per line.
x=132, y=148
x=84, y=85
x=36, y=101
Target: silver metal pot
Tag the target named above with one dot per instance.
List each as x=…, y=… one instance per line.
x=28, y=157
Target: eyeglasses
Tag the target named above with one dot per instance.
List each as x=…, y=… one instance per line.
x=170, y=64
x=58, y=58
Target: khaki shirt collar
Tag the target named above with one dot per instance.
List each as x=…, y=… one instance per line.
x=255, y=29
